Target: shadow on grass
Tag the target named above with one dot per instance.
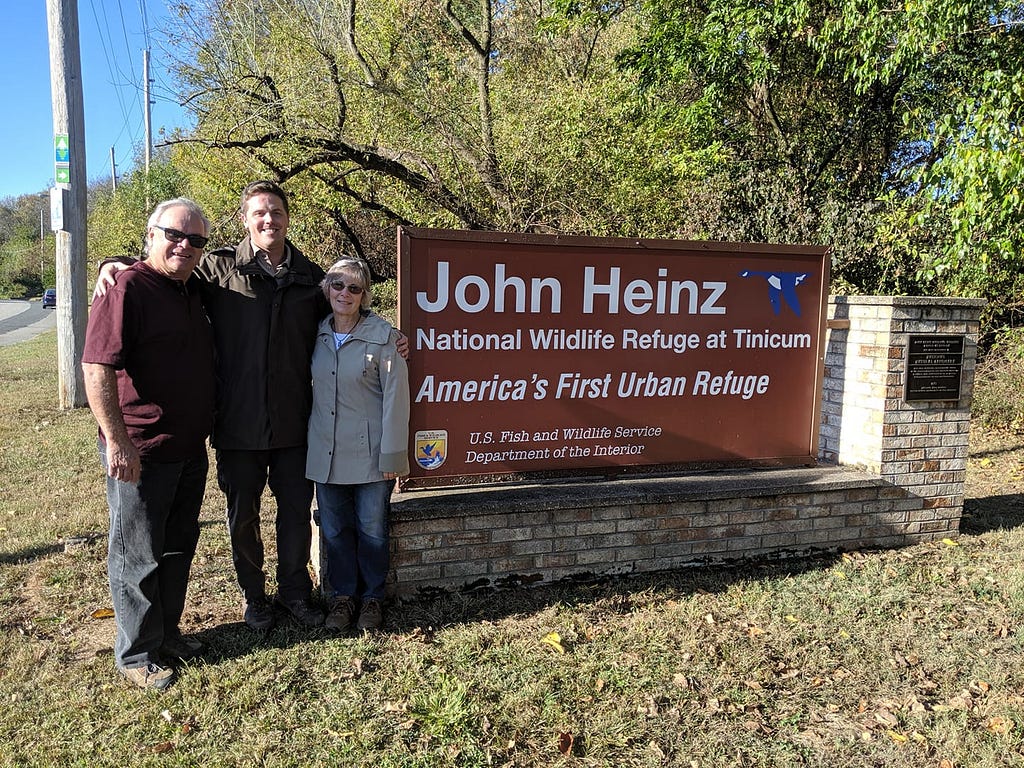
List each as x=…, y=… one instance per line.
x=617, y=593
x=67, y=544
x=24, y=556
x=992, y=513
x=235, y=640
x=428, y=613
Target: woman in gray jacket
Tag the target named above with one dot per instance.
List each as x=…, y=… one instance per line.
x=358, y=443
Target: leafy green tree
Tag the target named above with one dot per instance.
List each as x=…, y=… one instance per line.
x=479, y=115
x=890, y=132
x=26, y=262
x=961, y=202
x=117, y=220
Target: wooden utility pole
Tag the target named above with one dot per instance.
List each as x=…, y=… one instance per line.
x=113, y=172
x=69, y=172
x=147, y=150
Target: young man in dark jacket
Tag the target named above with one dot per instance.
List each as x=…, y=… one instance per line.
x=264, y=302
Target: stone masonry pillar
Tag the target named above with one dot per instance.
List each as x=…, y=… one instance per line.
x=920, y=447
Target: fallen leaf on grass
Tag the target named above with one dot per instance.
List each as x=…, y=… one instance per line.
x=791, y=618
x=599, y=684
x=650, y=708
x=681, y=681
x=103, y=613
x=899, y=738
x=162, y=747
x=554, y=640
x=754, y=631
x=885, y=717
x=950, y=543
x=999, y=725
x=353, y=671
x=565, y=742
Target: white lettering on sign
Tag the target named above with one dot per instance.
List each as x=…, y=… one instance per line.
x=473, y=293
x=502, y=292
x=664, y=296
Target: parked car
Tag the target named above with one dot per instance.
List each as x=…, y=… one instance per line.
x=49, y=298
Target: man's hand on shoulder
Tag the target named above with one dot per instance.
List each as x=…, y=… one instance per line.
x=107, y=276
x=402, y=345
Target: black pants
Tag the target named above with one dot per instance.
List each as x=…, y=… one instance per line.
x=243, y=475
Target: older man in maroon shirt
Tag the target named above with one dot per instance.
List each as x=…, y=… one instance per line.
x=149, y=376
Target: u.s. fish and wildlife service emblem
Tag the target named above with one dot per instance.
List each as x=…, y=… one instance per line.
x=431, y=447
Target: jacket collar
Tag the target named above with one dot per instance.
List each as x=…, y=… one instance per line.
x=299, y=271
x=371, y=328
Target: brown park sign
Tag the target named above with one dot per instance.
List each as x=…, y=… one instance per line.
x=534, y=356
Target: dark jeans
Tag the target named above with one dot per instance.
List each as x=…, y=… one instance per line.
x=154, y=530
x=354, y=524
x=243, y=475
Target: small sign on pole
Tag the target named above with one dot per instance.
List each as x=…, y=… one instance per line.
x=61, y=159
x=56, y=209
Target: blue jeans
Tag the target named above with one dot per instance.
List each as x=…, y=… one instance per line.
x=154, y=530
x=354, y=524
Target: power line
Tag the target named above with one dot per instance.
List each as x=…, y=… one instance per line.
x=107, y=57
x=118, y=79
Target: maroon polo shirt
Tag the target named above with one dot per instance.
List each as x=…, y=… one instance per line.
x=154, y=332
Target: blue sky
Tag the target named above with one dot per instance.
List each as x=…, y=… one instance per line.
x=113, y=34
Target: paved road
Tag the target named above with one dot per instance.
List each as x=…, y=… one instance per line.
x=24, y=320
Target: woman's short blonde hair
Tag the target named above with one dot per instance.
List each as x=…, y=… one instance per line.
x=352, y=266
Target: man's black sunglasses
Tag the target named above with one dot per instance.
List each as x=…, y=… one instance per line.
x=176, y=236
x=354, y=289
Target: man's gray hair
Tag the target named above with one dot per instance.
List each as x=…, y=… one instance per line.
x=178, y=202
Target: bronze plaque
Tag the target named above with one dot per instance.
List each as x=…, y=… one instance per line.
x=935, y=366
x=546, y=355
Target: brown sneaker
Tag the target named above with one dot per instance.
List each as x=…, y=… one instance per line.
x=304, y=612
x=152, y=676
x=371, y=616
x=259, y=614
x=340, y=611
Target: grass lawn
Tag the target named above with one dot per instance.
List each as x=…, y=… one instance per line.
x=907, y=657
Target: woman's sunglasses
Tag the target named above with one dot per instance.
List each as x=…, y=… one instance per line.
x=338, y=285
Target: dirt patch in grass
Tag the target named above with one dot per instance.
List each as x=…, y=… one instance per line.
x=994, y=488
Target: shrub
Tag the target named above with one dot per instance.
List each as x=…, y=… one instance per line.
x=999, y=383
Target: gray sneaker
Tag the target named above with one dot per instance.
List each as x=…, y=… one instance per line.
x=151, y=677
x=304, y=612
x=371, y=616
x=259, y=614
x=340, y=611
